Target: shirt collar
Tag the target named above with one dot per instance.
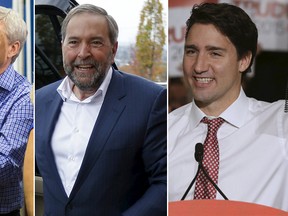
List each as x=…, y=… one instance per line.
x=196, y=115
x=235, y=114
x=7, y=78
x=66, y=93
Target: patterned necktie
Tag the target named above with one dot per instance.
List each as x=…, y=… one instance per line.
x=204, y=189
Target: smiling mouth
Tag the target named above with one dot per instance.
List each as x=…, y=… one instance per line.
x=204, y=80
x=84, y=67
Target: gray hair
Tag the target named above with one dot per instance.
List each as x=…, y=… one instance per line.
x=15, y=28
x=92, y=9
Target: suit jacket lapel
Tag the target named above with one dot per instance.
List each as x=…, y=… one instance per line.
x=112, y=106
x=52, y=111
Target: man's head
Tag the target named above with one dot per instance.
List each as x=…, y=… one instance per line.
x=231, y=21
x=89, y=45
x=220, y=45
x=13, y=34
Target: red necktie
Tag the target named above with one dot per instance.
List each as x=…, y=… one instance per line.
x=204, y=189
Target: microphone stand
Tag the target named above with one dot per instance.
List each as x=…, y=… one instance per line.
x=189, y=187
x=199, y=151
x=211, y=181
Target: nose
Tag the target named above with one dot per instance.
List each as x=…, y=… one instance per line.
x=84, y=51
x=201, y=64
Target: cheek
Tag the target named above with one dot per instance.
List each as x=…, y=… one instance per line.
x=104, y=57
x=187, y=67
x=228, y=70
x=68, y=55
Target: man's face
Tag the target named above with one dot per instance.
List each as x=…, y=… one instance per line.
x=212, y=68
x=87, y=51
x=4, y=48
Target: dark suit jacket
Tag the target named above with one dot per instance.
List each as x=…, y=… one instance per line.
x=124, y=167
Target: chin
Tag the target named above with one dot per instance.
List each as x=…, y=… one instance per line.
x=203, y=98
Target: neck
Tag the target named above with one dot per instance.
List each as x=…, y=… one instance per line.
x=3, y=67
x=217, y=107
x=83, y=94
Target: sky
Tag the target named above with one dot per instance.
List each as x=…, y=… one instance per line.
x=127, y=15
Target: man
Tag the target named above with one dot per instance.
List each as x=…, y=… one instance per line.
x=16, y=113
x=252, y=141
x=100, y=134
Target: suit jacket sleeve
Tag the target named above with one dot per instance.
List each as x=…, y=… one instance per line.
x=154, y=155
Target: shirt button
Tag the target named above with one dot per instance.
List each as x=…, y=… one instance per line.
x=71, y=158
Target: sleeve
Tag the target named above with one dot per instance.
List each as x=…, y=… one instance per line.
x=14, y=134
x=154, y=154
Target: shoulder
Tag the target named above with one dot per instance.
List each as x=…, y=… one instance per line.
x=138, y=84
x=22, y=85
x=20, y=91
x=272, y=115
x=257, y=106
x=137, y=80
x=180, y=112
x=278, y=107
x=47, y=90
x=180, y=118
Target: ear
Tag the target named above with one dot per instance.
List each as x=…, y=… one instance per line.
x=62, y=44
x=245, y=62
x=114, y=48
x=13, y=49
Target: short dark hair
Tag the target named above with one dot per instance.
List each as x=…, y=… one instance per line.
x=231, y=21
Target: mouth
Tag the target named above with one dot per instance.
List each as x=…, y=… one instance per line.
x=84, y=67
x=204, y=80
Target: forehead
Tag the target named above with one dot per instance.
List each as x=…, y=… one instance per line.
x=84, y=22
x=207, y=34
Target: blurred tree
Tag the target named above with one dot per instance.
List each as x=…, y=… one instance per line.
x=150, y=41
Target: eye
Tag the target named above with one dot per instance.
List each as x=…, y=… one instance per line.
x=190, y=52
x=97, y=43
x=72, y=42
x=216, y=54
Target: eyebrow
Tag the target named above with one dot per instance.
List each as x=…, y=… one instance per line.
x=214, y=48
x=78, y=37
x=190, y=47
x=209, y=47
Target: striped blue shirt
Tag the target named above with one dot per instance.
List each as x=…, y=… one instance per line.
x=16, y=121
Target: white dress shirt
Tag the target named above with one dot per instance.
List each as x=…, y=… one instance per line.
x=253, y=147
x=73, y=129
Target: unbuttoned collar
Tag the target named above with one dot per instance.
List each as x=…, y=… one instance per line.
x=66, y=93
x=235, y=114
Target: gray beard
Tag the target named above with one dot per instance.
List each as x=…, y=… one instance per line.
x=95, y=79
